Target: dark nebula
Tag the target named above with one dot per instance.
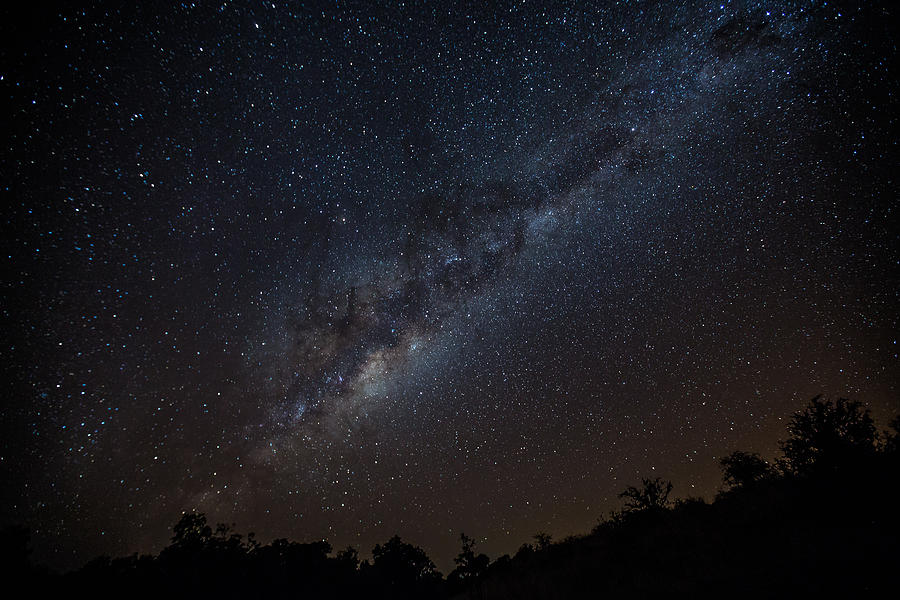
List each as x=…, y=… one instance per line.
x=341, y=272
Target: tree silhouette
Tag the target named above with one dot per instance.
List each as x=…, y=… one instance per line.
x=469, y=566
x=348, y=558
x=404, y=568
x=191, y=532
x=892, y=439
x=833, y=531
x=15, y=563
x=542, y=539
x=652, y=495
x=827, y=434
x=744, y=469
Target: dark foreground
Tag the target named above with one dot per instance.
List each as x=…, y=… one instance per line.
x=823, y=520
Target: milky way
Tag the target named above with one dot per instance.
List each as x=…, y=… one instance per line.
x=343, y=272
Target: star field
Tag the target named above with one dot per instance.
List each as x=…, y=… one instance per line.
x=342, y=272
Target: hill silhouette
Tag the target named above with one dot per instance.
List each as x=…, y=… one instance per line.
x=821, y=519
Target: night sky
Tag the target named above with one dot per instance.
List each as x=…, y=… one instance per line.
x=344, y=271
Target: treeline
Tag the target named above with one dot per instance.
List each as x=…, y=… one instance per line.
x=822, y=518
